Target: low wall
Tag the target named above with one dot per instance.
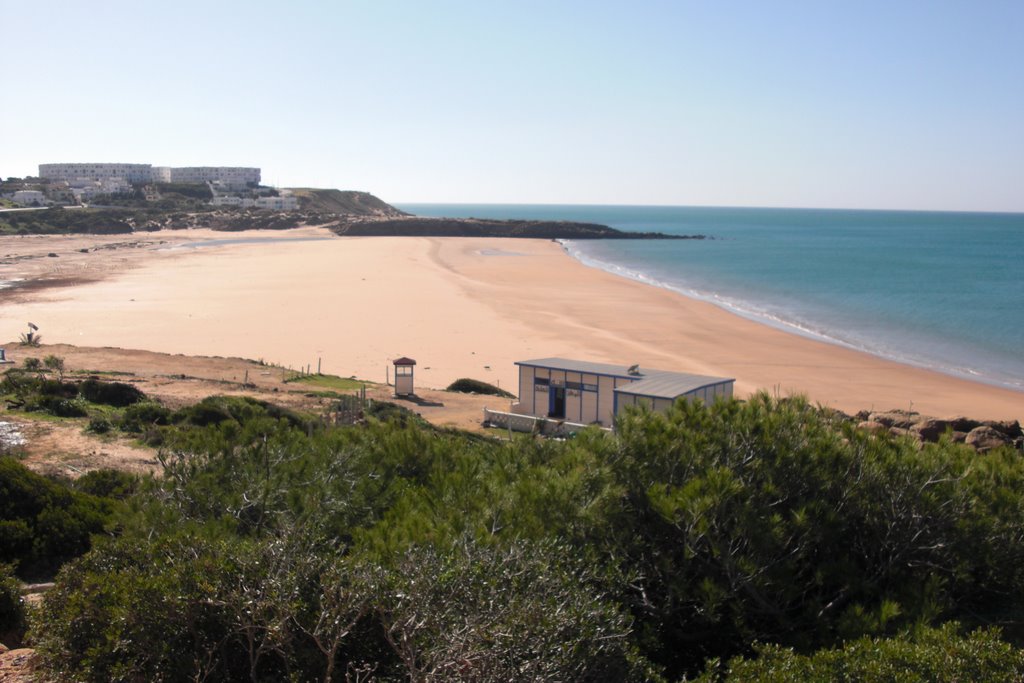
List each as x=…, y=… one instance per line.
x=529, y=423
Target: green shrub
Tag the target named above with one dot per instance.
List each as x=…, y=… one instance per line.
x=386, y=412
x=184, y=608
x=13, y=620
x=54, y=405
x=107, y=483
x=53, y=387
x=139, y=417
x=44, y=523
x=475, y=386
x=241, y=409
x=933, y=655
x=117, y=394
x=99, y=425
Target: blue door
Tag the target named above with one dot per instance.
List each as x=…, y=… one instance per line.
x=556, y=402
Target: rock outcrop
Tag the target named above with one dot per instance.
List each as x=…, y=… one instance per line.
x=420, y=226
x=981, y=435
x=985, y=438
x=17, y=666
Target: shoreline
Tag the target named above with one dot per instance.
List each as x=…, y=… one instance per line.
x=784, y=325
x=463, y=307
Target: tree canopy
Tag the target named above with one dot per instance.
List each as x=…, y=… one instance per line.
x=752, y=533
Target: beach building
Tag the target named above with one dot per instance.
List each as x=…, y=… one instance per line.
x=582, y=392
x=404, y=376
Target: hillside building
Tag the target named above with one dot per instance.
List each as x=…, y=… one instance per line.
x=131, y=173
x=231, y=177
x=29, y=198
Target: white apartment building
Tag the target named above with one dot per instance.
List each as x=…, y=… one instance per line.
x=132, y=173
x=160, y=174
x=228, y=176
x=234, y=177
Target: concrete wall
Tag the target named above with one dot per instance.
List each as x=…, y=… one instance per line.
x=525, y=404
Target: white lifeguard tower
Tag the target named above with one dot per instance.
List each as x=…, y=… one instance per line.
x=403, y=376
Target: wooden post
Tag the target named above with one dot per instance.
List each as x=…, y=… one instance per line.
x=318, y=365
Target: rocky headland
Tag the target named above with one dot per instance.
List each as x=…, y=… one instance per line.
x=347, y=213
x=420, y=226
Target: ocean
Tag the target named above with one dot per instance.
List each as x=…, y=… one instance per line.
x=943, y=291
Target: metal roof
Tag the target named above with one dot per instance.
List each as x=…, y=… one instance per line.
x=670, y=384
x=653, y=383
x=582, y=366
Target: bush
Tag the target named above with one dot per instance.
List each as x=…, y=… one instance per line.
x=139, y=417
x=113, y=484
x=241, y=409
x=392, y=412
x=99, y=425
x=12, y=608
x=939, y=654
x=117, y=394
x=475, y=386
x=185, y=608
x=54, y=405
x=43, y=523
x=53, y=387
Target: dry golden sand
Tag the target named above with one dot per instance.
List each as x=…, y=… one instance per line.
x=460, y=307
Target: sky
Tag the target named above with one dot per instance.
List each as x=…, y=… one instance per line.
x=884, y=105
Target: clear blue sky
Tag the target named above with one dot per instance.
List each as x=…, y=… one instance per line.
x=819, y=103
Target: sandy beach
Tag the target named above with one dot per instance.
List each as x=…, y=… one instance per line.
x=460, y=307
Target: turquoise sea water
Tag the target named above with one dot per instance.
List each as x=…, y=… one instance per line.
x=938, y=290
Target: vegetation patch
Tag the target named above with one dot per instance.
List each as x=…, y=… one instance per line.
x=44, y=523
x=31, y=390
x=117, y=394
x=475, y=386
x=329, y=382
x=103, y=373
x=13, y=617
x=757, y=540
x=214, y=410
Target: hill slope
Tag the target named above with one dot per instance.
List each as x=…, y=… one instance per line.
x=342, y=201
